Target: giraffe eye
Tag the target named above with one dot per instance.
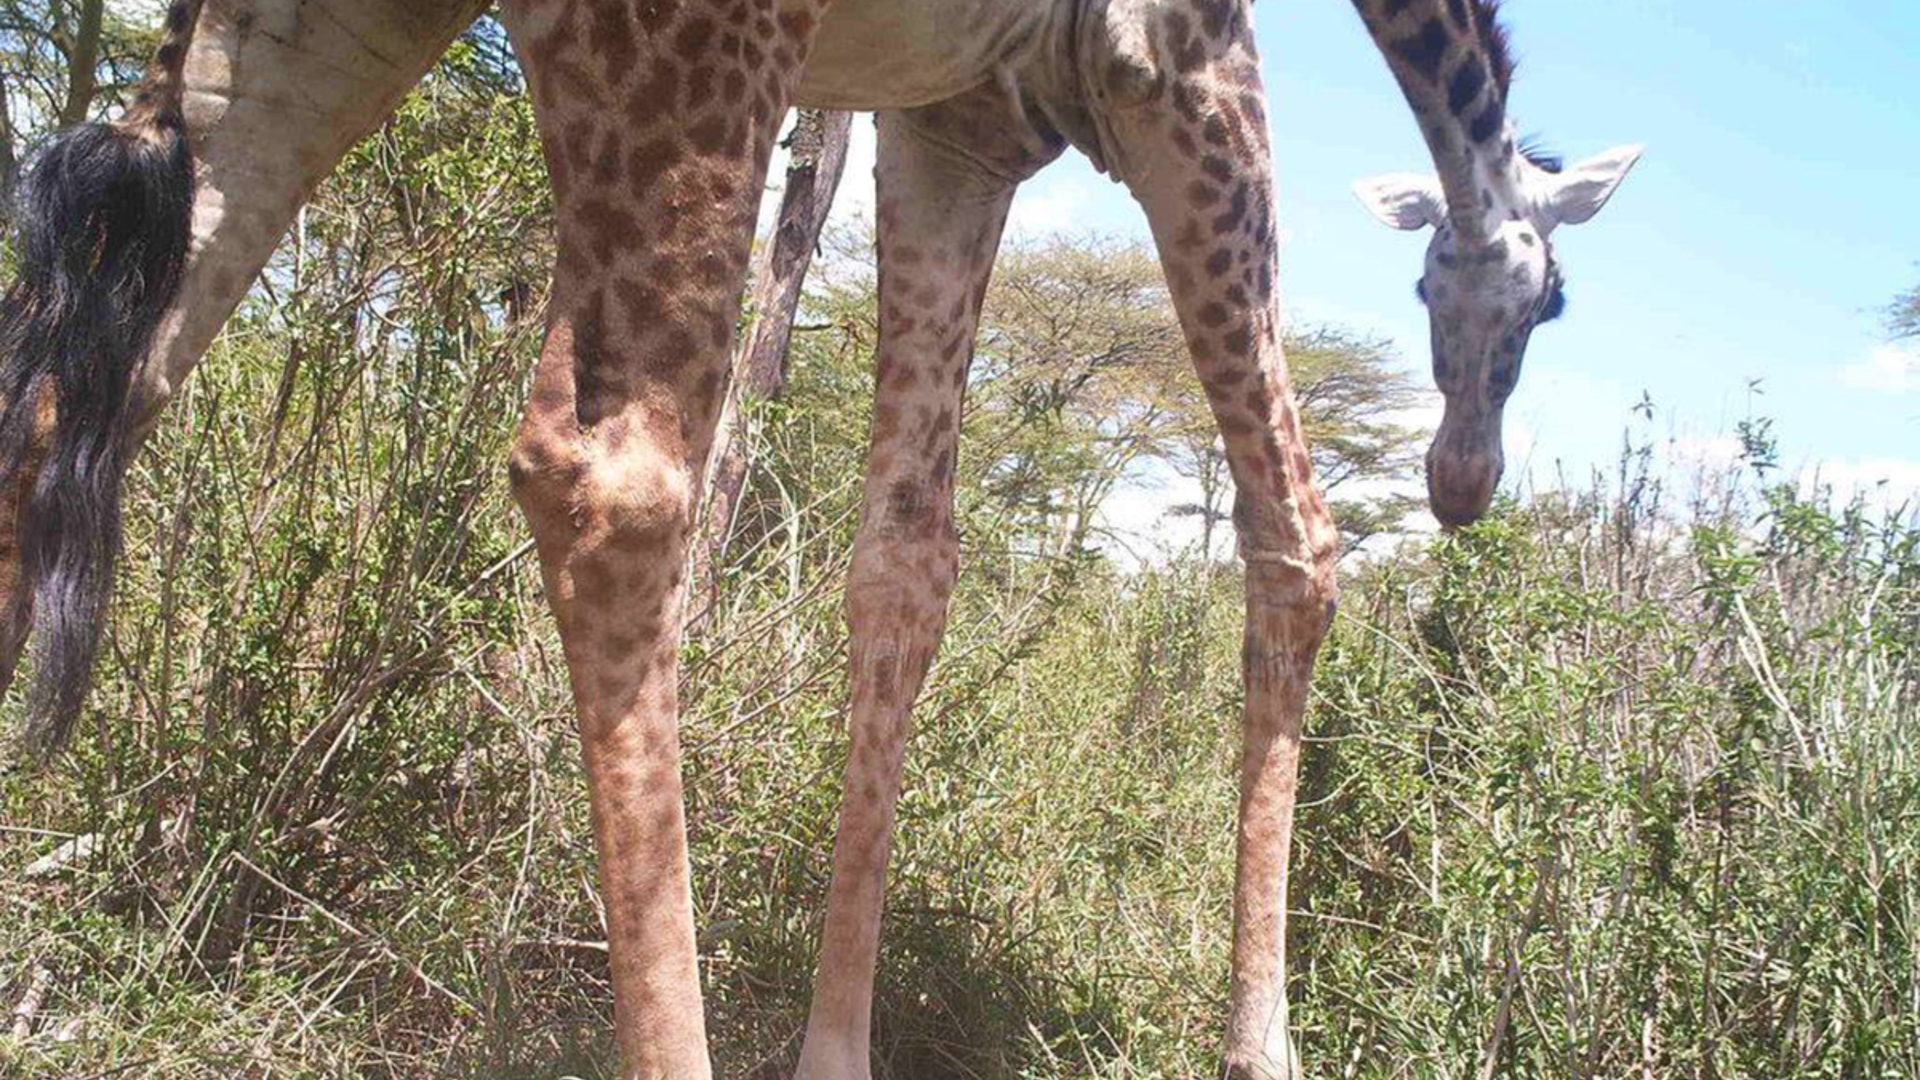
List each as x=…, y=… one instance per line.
x=1420, y=290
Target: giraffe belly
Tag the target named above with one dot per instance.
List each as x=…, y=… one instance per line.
x=892, y=54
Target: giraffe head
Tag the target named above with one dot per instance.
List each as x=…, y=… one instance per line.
x=1490, y=279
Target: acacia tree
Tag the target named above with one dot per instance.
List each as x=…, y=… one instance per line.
x=1082, y=379
x=62, y=62
x=1903, y=317
x=1086, y=329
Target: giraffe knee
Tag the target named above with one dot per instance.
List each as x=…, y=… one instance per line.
x=147, y=398
x=542, y=469
x=1291, y=600
x=1290, y=608
x=630, y=496
x=924, y=560
x=897, y=594
x=1322, y=600
x=1292, y=551
x=906, y=557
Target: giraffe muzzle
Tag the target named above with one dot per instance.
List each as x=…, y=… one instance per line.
x=1463, y=469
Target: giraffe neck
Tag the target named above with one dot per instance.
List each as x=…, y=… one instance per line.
x=1450, y=58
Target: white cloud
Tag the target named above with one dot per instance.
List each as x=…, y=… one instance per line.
x=1885, y=483
x=1137, y=528
x=1424, y=414
x=1709, y=452
x=1891, y=369
x=1043, y=207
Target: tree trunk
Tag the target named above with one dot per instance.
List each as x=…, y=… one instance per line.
x=9, y=158
x=83, y=63
x=819, y=149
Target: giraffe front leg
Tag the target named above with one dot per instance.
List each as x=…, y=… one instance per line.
x=940, y=216
x=1192, y=145
x=657, y=121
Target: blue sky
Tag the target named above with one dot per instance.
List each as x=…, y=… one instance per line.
x=1773, y=217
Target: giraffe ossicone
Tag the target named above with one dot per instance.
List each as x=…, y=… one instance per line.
x=657, y=120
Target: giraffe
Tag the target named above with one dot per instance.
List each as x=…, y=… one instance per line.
x=657, y=119
x=1490, y=276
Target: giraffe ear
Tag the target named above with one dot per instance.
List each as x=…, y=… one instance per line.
x=1576, y=195
x=1403, y=200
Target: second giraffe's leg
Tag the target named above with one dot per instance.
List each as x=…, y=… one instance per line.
x=657, y=121
x=1193, y=144
x=940, y=216
x=277, y=91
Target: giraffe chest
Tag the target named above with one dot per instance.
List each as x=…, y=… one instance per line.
x=881, y=54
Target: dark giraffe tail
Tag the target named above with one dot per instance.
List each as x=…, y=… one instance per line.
x=103, y=222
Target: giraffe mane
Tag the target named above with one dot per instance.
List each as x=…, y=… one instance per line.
x=1495, y=42
x=1499, y=49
